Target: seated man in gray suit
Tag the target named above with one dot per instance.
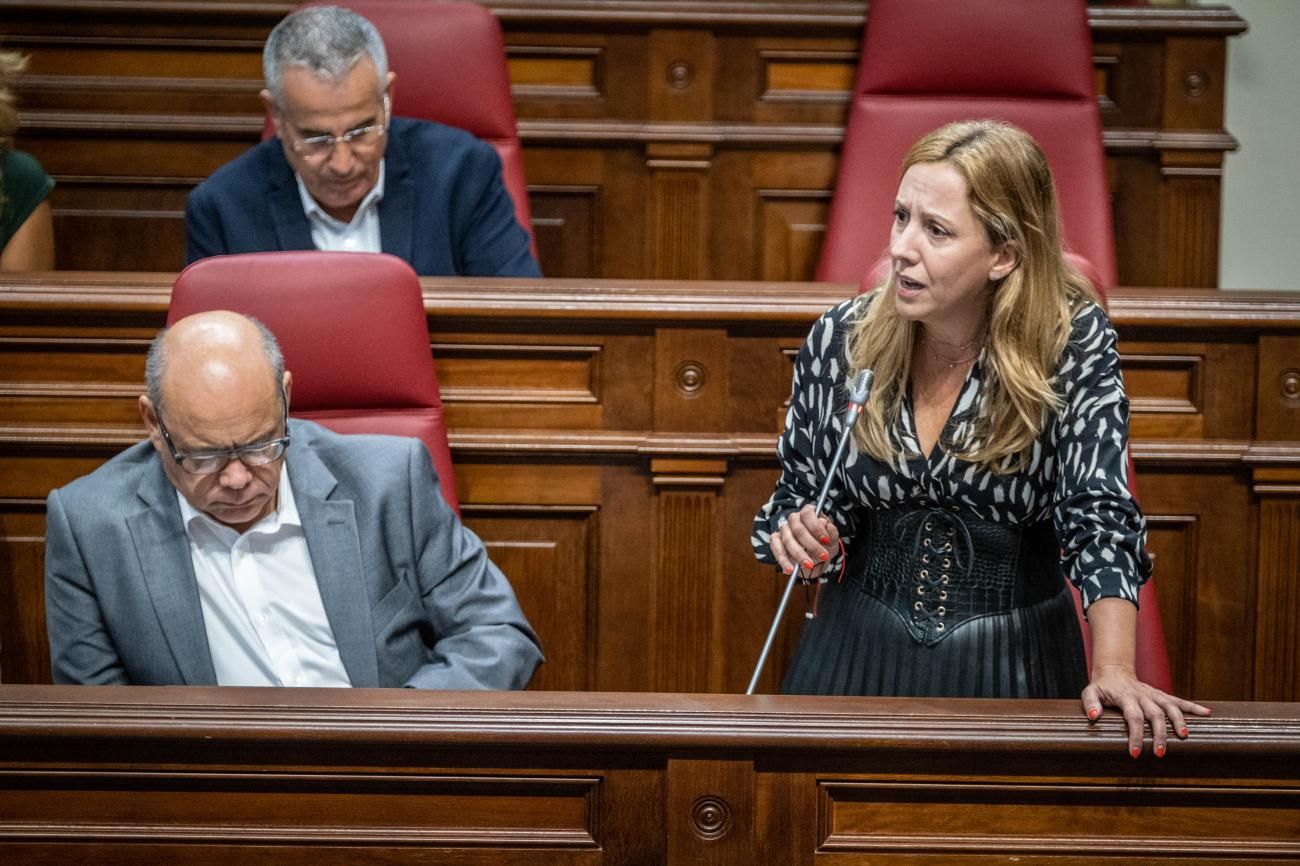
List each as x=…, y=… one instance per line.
x=214, y=553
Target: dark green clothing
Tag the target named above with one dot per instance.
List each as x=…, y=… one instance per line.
x=24, y=185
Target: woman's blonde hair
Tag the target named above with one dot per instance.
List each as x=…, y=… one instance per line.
x=1029, y=311
x=11, y=63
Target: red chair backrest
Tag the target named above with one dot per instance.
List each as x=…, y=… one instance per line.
x=353, y=331
x=926, y=63
x=450, y=61
x=1152, y=652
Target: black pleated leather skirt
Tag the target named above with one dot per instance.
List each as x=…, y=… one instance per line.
x=936, y=605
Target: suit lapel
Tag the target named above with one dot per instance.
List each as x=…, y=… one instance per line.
x=330, y=526
x=291, y=229
x=164, y=554
x=397, y=208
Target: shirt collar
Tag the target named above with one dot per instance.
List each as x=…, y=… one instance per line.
x=285, y=513
x=312, y=209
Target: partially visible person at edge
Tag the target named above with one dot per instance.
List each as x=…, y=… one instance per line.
x=990, y=458
x=343, y=174
x=26, y=226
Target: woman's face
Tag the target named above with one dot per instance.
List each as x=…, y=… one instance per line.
x=942, y=259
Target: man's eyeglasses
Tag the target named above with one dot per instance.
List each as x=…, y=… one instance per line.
x=319, y=147
x=212, y=462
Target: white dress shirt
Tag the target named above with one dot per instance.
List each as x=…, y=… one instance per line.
x=262, y=608
x=361, y=235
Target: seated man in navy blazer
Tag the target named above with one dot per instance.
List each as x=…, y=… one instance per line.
x=237, y=547
x=344, y=174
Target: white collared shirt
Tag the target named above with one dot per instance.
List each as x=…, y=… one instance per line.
x=361, y=235
x=262, y=608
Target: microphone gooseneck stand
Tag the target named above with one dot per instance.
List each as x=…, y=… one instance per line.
x=858, y=395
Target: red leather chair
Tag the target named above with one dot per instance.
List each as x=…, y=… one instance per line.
x=353, y=331
x=450, y=62
x=926, y=63
x=929, y=62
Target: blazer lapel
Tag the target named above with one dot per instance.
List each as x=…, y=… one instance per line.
x=397, y=207
x=164, y=554
x=330, y=526
x=291, y=229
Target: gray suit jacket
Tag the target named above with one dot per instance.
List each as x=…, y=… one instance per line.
x=409, y=591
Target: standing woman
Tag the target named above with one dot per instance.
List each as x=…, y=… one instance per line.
x=26, y=227
x=990, y=459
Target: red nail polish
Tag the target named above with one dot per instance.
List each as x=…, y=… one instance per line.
x=1092, y=714
x=789, y=569
x=807, y=563
x=1182, y=732
x=1135, y=751
x=825, y=556
x=1160, y=751
x=825, y=539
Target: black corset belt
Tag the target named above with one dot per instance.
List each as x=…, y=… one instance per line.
x=938, y=568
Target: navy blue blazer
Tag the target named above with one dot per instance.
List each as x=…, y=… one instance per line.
x=445, y=208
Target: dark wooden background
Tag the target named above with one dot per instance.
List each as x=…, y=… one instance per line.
x=692, y=139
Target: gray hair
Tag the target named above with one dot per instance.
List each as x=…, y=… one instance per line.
x=155, y=363
x=327, y=40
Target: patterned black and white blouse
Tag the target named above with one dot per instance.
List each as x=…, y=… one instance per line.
x=1077, y=477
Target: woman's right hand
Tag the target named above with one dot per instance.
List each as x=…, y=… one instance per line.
x=805, y=540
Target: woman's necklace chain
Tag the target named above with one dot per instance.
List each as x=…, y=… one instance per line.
x=950, y=363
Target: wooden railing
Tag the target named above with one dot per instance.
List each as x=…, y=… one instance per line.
x=128, y=775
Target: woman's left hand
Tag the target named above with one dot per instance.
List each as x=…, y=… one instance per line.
x=1115, y=685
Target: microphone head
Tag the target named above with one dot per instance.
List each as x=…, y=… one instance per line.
x=861, y=388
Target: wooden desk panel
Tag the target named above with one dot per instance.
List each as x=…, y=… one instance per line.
x=307, y=776
x=613, y=439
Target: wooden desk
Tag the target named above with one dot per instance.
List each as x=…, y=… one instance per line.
x=613, y=439
x=313, y=776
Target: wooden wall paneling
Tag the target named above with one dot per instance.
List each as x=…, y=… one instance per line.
x=1194, y=87
x=710, y=811
x=772, y=78
x=1189, y=390
x=786, y=200
x=24, y=652
x=1278, y=420
x=629, y=648
x=679, y=216
x=1136, y=205
x=548, y=554
x=1203, y=575
x=690, y=632
x=1174, y=542
x=1277, y=612
x=1278, y=397
x=589, y=213
x=1187, y=238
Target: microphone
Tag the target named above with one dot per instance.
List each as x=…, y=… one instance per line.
x=858, y=394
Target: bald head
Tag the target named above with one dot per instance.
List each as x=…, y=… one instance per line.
x=219, y=379
x=213, y=355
